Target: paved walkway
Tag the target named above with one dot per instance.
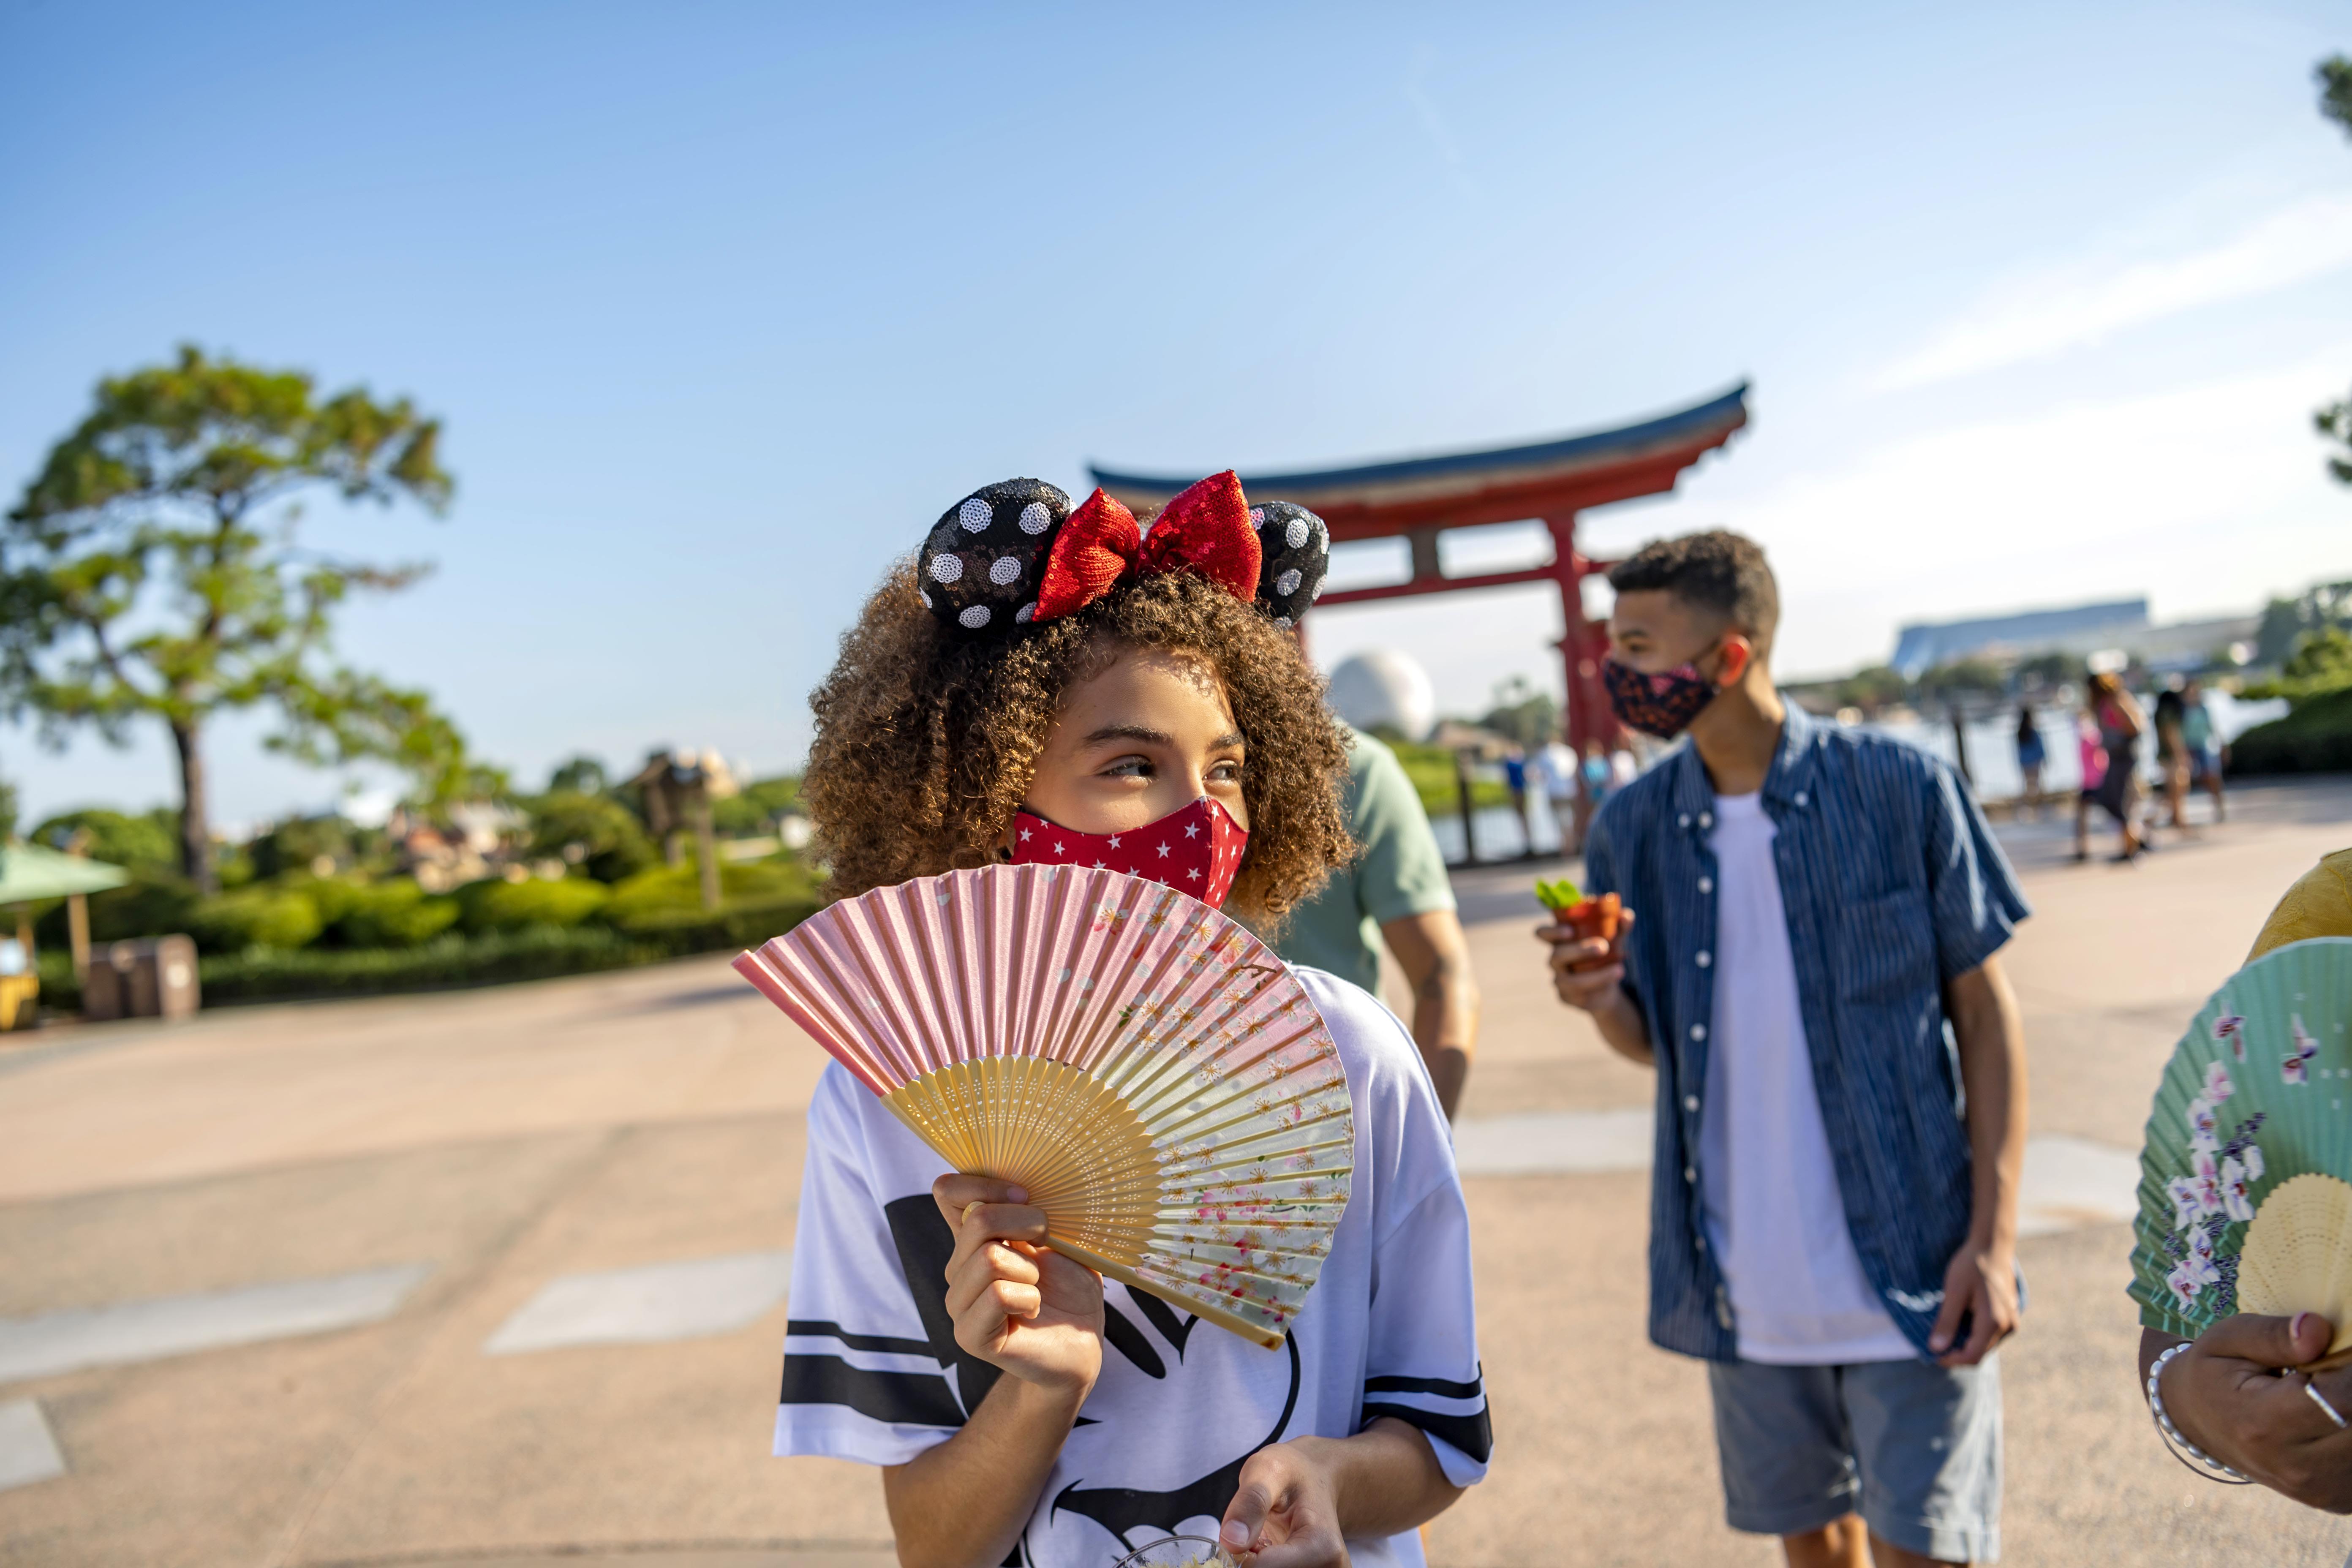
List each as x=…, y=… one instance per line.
x=497, y=1277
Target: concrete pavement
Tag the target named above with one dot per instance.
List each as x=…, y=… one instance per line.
x=580, y=1189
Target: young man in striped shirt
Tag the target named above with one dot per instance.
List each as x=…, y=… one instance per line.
x=1840, y=1077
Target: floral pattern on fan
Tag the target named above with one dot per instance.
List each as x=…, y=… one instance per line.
x=2258, y=1092
x=2217, y=1194
x=1153, y=1075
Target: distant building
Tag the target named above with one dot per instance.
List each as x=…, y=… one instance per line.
x=2080, y=628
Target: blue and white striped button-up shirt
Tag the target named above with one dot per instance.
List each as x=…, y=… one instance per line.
x=1893, y=885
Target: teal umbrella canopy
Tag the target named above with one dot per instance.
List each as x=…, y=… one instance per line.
x=28, y=873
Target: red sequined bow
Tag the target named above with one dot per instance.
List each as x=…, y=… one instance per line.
x=1206, y=529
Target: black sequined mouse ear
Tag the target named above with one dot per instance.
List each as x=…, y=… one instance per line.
x=982, y=562
x=1294, y=553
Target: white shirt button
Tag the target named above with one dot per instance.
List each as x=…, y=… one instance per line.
x=1690, y=1173
x=1705, y=958
x=1706, y=884
x=1705, y=819
x=1700, y=1243
x=1698, y=1031
x=1800, y=797
x=1690, y=1102
x=1684, y=820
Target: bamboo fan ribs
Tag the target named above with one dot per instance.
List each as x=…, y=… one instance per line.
x=1145, y=1068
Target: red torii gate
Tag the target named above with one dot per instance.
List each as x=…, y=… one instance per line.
x=1420, y=498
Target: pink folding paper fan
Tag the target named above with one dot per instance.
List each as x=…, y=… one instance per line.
x=1145, y=1068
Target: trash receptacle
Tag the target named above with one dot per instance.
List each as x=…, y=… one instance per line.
x=152, y=978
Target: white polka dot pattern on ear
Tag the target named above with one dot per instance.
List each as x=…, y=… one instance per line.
x=924, y=595
x=1035, y=518
x=946, y=568
x=1287, y=584
x=974, y=616
x=1257, y=517
x=1282, y=621
x=974, y=515
x=1022, y=616
x=1297, y=535
x=1005, y=568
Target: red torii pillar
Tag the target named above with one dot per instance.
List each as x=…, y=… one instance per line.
x=1416, y=499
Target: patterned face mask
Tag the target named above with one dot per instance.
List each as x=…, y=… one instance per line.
x=1662, y=705
x=1196, y=849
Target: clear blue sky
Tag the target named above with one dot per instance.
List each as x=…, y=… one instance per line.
x=724, y=304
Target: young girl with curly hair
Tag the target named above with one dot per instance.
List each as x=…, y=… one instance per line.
x=1044, y=683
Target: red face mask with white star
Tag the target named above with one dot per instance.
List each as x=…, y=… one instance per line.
x=1196, y=850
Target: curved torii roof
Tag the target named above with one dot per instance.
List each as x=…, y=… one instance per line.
x=1547, y=479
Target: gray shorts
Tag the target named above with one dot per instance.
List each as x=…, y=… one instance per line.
x=1912, y=1447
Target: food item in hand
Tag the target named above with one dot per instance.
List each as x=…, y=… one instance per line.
x=1558, y=897
x=1593, y=919
x=1596, y=920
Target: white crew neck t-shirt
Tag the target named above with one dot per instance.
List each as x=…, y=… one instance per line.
x=872, y=1371
x=1774, y=1215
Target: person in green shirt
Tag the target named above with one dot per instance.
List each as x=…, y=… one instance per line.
x=1396, y=892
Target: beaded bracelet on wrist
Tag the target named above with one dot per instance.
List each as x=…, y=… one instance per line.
x=2183, y=1448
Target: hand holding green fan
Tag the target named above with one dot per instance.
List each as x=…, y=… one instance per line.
x=2243, y=1200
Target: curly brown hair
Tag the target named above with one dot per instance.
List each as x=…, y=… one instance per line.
x=924, y=747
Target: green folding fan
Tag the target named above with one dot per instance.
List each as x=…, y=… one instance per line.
x=2244, y=1201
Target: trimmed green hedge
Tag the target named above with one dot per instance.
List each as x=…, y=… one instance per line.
x=2316, y=738
x=451, y=961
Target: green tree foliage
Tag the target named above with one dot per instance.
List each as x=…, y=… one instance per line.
x=145, y=843
x=1527, y=716
x=755, y=809
x=2335, y=421
x=2048, y=669
x=295, y=843
x=595, y=832
x=2335, y=77
x=2324, y=654
x=151, y=573
x=1961, y=679
x=2286, y=621
x=583, y=774
x=1873, y=688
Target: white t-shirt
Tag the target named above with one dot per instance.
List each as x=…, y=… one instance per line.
x=872, y=1371
x=1774, y=1215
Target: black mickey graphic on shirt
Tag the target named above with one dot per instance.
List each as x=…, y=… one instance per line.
x=925, y=1246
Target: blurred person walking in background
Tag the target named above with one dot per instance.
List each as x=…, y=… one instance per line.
x=1599, y=781
x=1514, y=779
x=2173, y=757
x=1555, y=767
x=1838, y=1243
x=2198, y=738
x=2031, y=755
x=2112, y=723
x=1395, y=891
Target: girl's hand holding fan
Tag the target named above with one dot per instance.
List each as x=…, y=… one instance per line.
x=1017, y=1304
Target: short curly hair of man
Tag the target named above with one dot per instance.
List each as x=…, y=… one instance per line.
x=924, y=747
x=1719, y=572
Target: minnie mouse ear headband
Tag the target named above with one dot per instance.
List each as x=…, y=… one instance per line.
x=1017, y=553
